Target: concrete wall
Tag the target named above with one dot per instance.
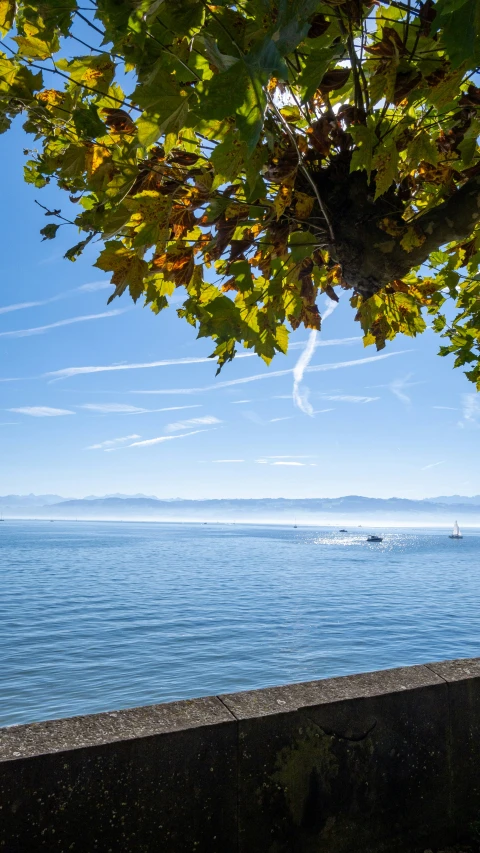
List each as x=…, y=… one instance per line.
x=386, y=761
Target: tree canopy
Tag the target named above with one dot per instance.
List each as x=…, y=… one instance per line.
x=259, y=153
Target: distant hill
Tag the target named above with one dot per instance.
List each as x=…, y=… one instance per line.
x=351, y=509
x=456, y=499
x=30, y=500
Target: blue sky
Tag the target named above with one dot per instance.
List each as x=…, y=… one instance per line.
x=404, y=423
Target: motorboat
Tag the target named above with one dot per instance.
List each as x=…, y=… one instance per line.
x=343, y=530
x=456, y=534
x=375, y=539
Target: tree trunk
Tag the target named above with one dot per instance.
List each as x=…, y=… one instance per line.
x=370, y=257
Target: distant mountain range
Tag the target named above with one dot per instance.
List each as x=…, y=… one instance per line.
x=349, y=509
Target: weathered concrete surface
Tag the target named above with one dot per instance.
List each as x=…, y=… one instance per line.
x=385, y=762
x=342, y=765
x=463, y=685
x=149, y=779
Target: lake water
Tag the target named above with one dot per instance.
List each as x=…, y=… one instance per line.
x=101, y=616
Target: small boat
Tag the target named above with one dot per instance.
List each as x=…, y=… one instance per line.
x=343, y=530
x=456, y=532
x=375, y=539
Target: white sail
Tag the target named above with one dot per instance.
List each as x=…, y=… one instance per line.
x=456, y=529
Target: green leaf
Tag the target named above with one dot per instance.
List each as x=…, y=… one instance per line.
x=87, y=122
x=165, y=106
x=365, y=138
x=460, y=24
x=422, y=148
x=301, y=244
x=317, y=64
x=385, y=162
x=228, y=158
x=50, y=231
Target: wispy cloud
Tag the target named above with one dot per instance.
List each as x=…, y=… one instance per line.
x=19, y=306
x=219, y=461
x=300, y=395
x=321, y=342
x=41, y=411
x=240, y=401
x=112, y=408
x=206, y=420
x=287, y=459
x=319, y=368
x=92, y=286
x=447, y=408
x=112, y=442
x=276, y=420
x=470, y=411
x=126, y=409
x=39, y=330
x=66, y=372
x=151, y=441
x=348, y=398
x=9, y=423
x=432, y=465
x=398, y=388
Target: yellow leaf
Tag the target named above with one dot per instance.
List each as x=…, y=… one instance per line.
x=96, y=155
x=127, y=267
x=7, y=15
x=303, y=205
x=282, y=200
x=412, y=239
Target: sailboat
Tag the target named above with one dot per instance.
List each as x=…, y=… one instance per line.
x=456, y=532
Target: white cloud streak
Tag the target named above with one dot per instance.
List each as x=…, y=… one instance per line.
x=90, y=287
x=41, y=411
x=299, y=394
x=348, y=398
x=207, y=420
x=67, y=372
x=432, y=465
x=398, y=388
x=295, y=464
x=112, y=442
x=19, y=306
x=319, y=368
x=126, y=409
x=320, y=342
x=112, y=408
x=151, y=441
x=39, y=330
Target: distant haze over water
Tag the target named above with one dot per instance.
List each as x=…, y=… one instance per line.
x=351, y=509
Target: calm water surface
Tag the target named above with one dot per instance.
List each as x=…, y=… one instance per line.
x=97, y=616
